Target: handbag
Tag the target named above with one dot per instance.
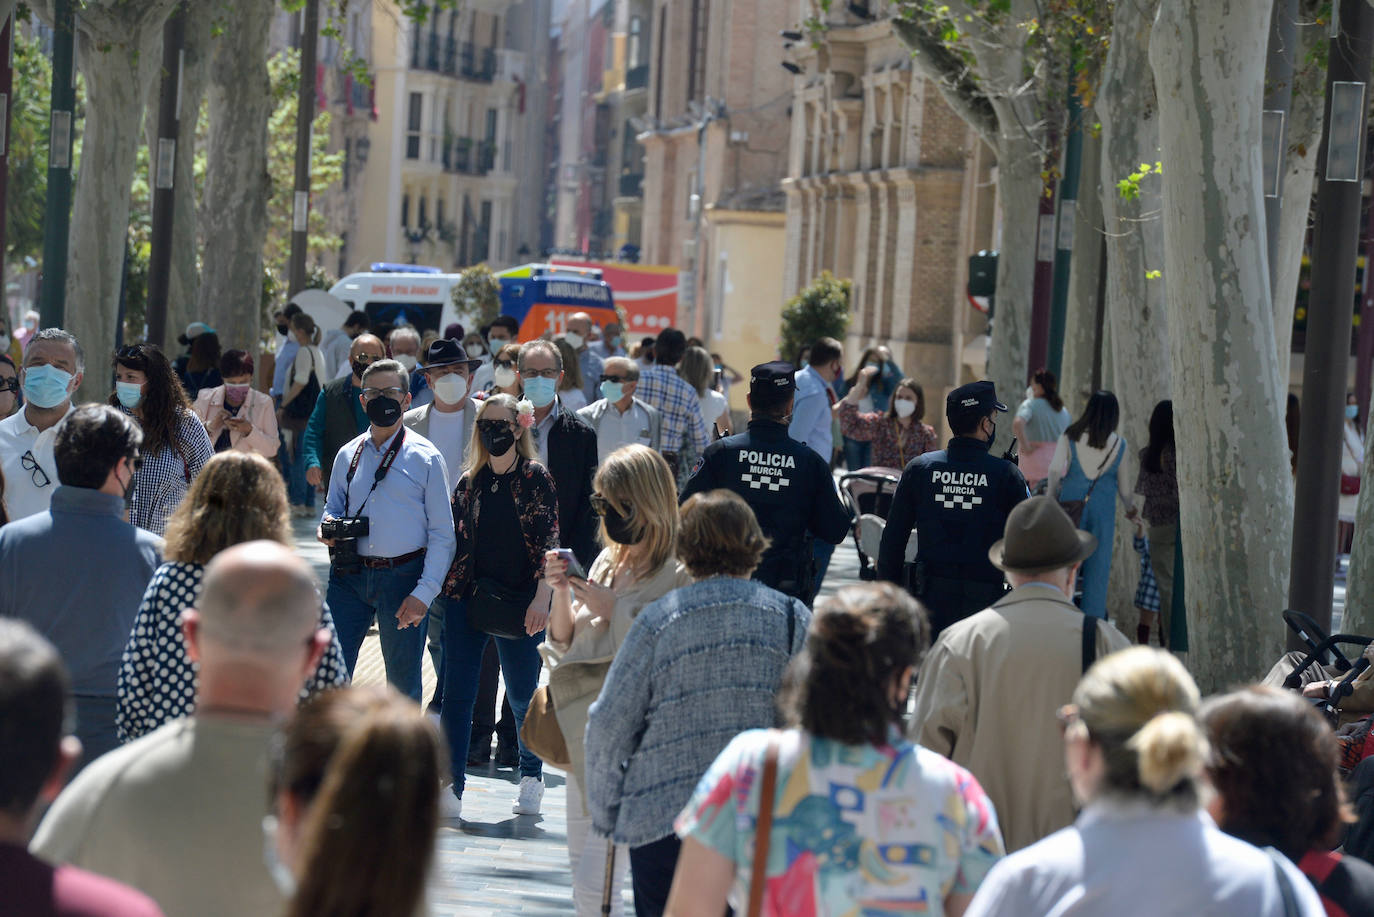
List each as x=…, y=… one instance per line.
x=763, y=828
x=1350, y=483
x=1075, y=508
x=541, y=734
x=304, y=403
x=495, y=608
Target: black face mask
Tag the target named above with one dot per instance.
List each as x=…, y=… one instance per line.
x=384, y=412
x=619, y=529
x=282, y=329
x=497, y=438
x=359, y=368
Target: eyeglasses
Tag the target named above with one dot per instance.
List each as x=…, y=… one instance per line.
x=37, y=475
x=9, y=385
x=601, y=506
x=617, y=379
x=391, y=391
x=541, y=373
x=505, y=364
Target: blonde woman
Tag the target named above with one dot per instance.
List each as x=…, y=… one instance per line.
x=505, y=515
x=570, y=391
x=1142, y=845
x=237, y=497
x=699, y=370
x=636, y=498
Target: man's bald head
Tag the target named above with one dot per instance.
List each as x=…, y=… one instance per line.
x=369, y=344
x=580, y=323
x=259, y=598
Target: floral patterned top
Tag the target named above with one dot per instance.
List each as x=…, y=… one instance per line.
x=1159, y=488
x=893, y=444
x=537, y=506
x=889, y=829
x=157, y=680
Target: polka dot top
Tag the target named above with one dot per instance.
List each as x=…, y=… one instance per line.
x=157, y=680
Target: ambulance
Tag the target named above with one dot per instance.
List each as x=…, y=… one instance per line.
x=420, y=297
x=541, y=297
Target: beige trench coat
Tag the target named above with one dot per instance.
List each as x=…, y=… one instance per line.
x=578, y=669
x=987, y=696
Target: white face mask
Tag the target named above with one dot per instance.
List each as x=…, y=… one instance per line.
x=905, y=407
x=574, y=340
x=406, y=359
x=475, y=350
x=450, y=389
x=4, y=343
x=504, y=377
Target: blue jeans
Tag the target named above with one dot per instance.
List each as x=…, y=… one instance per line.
x=463, y=649
x=857, y=454
x=821, y=551
x=355, y=599
x=298, y=490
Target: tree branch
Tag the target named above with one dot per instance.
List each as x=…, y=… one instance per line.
x=951, y=75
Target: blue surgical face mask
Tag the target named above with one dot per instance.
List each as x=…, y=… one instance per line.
x=612, y=391
x=540, y=391
x=46, y=386
x=1352, y=411
x=130, y=394
x=615, y=341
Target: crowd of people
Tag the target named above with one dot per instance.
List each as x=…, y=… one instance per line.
x=971, y=735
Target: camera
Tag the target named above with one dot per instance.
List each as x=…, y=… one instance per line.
x=343, y=554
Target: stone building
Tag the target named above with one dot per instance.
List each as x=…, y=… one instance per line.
x=887, y=186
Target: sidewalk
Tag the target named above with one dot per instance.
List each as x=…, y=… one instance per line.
x=496, y=862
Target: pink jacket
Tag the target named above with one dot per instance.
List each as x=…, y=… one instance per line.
x=257, y=410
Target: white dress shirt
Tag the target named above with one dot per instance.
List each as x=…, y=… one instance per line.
x=449, y=433
x=23, y=495
x=617, y=429
x=409, y=509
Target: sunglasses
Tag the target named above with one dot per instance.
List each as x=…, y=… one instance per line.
x=9, y=385
x=491, y=423
x=601, y=506
x=616, y=379
x=505, y=364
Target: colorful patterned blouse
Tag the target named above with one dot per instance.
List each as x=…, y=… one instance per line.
x=893, y=444
x=857, y=830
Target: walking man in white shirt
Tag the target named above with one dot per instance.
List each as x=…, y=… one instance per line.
x=389, y=527
x=54, y=365
x=620, y=418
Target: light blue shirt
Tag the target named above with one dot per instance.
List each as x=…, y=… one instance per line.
x=811, y=413
x=409, y=510
x=285, y=357
x=591, y=366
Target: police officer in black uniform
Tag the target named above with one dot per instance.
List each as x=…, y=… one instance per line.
x=958, y=501
x=787, y=484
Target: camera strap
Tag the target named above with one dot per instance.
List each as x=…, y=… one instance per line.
x=388, y=458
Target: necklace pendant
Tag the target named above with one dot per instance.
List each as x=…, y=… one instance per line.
x=494, y=485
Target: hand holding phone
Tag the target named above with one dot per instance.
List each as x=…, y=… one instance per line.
x=575, y=570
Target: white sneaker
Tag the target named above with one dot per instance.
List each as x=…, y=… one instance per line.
x=450, y=806
x=531, y=795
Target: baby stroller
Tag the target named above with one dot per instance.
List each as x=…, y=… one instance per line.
x=1321, y=660
x=867, y=494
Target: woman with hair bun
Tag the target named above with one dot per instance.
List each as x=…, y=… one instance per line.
x=863, y=820
x=1135, y=753
x=355, y=794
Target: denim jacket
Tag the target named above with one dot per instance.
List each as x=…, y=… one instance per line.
x=698, y=666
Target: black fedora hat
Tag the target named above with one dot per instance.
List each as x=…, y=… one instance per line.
x=1040, y=537
x=444, y=352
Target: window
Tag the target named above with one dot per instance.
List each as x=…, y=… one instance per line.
x=422, y=222
x=439, y=213
x=413, y=126
x=658, y=71
x=405, y=211
x=635, y=52
x=491, y=125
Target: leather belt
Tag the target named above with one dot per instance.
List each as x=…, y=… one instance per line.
x=386, y=563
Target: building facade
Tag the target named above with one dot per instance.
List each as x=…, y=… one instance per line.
x=887, y=186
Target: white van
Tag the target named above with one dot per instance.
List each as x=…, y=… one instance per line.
x=424, y=300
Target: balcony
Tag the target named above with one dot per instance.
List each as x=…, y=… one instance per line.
x=454, y=58
x=637, y=77
x=631, y=186
x=510, y=66
x=465, y=156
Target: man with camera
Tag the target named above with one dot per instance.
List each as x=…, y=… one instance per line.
x=389, y=528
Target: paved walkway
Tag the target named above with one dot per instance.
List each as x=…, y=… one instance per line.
x=495, y=862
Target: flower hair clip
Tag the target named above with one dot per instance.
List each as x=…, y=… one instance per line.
x=524, y=413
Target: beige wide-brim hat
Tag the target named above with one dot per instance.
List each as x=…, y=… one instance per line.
x=1040, y=537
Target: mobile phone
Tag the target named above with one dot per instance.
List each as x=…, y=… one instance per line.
x=575, y=570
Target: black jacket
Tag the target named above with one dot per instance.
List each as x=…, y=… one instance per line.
x=958, y=500
x=791, y=491
x=572, y=462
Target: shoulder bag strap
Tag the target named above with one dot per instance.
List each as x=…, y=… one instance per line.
x=1290, y=901
x=764, y=826
x=1089, y=641
x=1093, y=482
